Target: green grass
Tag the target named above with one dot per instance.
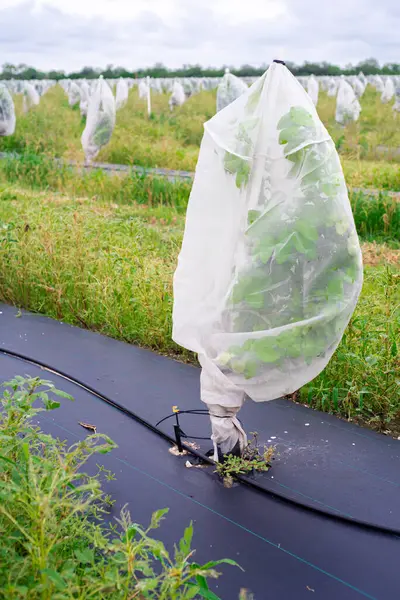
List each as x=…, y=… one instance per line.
x=172, y=140
x=109, y=267
x=376, y=217
x=371, y=174
x=55, y=542
x=42, y=173
x=52, y=128
x=362, y=381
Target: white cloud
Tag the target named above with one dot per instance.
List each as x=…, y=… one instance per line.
x=69, y=34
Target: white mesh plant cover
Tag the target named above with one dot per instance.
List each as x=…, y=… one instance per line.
x=396, y=105
x=121, y=94
x=178, y=96
x=188, y=87
x=358, y=86
x=270, y=268
x=85, y=98
x=74, y=94
x=388, y=91
x=347, y=106
x=31, y=97
x=313, y=89
x=332, y=87
x=378, y=83
x=230, y=88
x=100, y=120
x=302, y=80
x=143, y=89
x=156, y=86
x=363, y=79
x=7, y=112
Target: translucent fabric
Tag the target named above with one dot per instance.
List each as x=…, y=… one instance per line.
x=85, y=97
x=358, y=86
x=74, y=94
x=378, y=83
x=121, y=94
x=31, y=97
x=156, y=86
x=270, y=267
x=7, y=112
x=230, y=88
x=143, y=89
x=178, y=95
x=347, y=106
x=396, y=105
x=313, y=89
x=388, y=91
x=332, y=87
x=363, y=79
x=100, y=120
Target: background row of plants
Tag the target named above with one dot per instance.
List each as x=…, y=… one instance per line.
x=172, y=140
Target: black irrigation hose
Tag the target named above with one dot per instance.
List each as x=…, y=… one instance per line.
x=242, y=478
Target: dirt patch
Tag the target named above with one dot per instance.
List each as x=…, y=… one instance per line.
x=378, y=254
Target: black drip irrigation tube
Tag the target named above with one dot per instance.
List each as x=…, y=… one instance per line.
x=341, y=518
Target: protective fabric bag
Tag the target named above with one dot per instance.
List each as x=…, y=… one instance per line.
x=396, y=105
x=313, y=89
x=74, y=94
x=85, y=97
x=121, y=94
x=358, y=86
x=7, y=112
x=230, y=88
x=100, y=120
x=363, y=79
x=143, y=89
x=178, y=96
x=31, y=97
x=378, y=83
x=348, y=107
x=270, y=267
x=388, y=91
x=332, y=87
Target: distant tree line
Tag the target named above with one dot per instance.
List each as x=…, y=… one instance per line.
x=368, y=67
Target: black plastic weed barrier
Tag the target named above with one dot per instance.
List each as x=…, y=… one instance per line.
x=328, y=470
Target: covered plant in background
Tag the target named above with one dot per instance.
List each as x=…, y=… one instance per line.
x=122, y=93
x=313, y=89
x=348, y=107
x=100, y=120
x=178, y=96
x=30, y=97
x=229, y=88
x=7, y=112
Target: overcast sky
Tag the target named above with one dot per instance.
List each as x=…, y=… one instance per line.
x=69, y=34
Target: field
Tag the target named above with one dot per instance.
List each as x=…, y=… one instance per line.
x=369, y=148
x=99, y=251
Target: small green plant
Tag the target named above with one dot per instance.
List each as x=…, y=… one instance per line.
x=253, y=460
x=54, y=541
